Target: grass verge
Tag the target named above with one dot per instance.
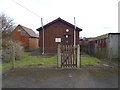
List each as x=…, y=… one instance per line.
x=38, y=61
x=35, y=61
x=90, y=61
x=28, y=60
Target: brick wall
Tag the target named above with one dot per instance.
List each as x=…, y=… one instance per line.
x=33, y=43
x=57, y=30
x=24, y=39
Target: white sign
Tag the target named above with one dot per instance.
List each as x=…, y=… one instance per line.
x=57, y=39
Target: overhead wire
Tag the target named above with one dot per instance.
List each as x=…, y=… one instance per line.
x=29, y=10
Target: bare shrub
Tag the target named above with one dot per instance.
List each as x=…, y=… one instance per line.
x=7, y=50
x=18, y=51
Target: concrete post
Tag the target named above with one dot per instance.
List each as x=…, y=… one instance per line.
x=78, y=56
x=59, y=56
x=13, y=57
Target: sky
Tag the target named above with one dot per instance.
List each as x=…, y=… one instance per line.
x=95, y=17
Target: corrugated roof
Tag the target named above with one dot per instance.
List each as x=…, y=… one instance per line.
x=102, y=36
x=30, y=31
x=99, y=37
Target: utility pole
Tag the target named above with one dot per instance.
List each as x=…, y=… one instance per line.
x=74, y=33
x=42, y=35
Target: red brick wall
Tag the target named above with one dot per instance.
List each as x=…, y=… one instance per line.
x=27, y=42
x=56, y=30
x=24, y=39
x=33, y=43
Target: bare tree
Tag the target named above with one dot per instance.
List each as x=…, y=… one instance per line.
x=6, y=25
x=6, y=22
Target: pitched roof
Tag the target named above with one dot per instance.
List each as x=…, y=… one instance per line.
x=61, y=20
x=30, y=31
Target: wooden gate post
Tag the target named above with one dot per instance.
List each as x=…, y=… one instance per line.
x=59, y=56
x=78, y=56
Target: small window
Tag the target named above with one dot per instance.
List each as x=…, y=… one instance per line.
x=96, y=41
x=66, y=36
x=67, y=30
x=19, y=30
x=57, y=39
x=22, y=33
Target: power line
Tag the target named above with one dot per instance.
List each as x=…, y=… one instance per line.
x=28, y=10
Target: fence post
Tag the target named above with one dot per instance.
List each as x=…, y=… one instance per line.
x=59, y=56
x=13, y=57
x=78, y=56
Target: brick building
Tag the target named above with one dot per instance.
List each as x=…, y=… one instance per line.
x=26, y=36
x=57, y=32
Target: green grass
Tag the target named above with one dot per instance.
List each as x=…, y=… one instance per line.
x=6, y=66
x=37, y=61
x=90, y=61
x=30, y=61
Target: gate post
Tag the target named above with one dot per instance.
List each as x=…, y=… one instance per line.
x=78, y=56
x=59, y=56
x=13, y=57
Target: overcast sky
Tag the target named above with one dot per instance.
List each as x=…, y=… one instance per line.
x=95, y=17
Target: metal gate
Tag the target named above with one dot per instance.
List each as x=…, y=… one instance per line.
x=68, y=56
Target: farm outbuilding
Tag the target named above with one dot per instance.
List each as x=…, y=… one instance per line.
x=26, y=36
x=104, y=46
x=57, y=32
